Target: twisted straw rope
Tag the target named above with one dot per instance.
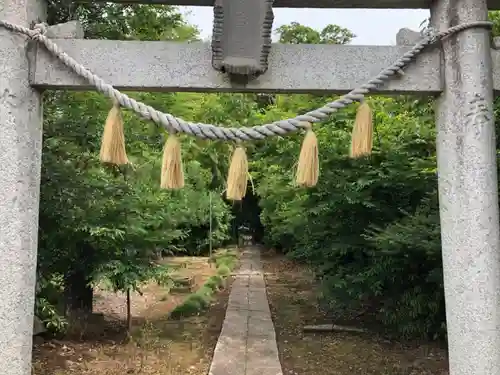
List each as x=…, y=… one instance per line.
x=207, y=131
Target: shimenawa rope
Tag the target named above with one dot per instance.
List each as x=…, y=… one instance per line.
x=207, y=131
x=113, y=148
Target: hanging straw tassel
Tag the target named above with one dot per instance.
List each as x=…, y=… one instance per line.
x=113, y=138
x=308, y=166
x=237, y=177
x=172, y=173
x=362, y=132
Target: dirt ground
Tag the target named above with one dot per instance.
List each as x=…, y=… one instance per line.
x=185, y=347
x=158, y=346
x=293, y=304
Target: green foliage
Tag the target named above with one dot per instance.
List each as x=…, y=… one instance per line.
x=124, y=21
x=358, y=227
x=224, y=271
x=410, y=246
x=214, y=282
x=191, y=306
x=226, y=258
x=494, y=16
x=50, y=316
x=47, y=306
x=110, y=224
x=295, y=33
x=370, y=229
x=200, y=300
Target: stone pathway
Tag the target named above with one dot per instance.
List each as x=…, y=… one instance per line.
x=247, y=343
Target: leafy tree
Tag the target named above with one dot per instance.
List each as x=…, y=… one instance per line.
x=295, y=33
x=107, y=224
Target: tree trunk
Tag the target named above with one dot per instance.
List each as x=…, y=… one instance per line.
x=129, y=313
x=79, y=295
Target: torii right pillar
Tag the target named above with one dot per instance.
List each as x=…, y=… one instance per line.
x=468, y=192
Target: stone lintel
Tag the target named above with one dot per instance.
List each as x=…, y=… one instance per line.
x=174, y=66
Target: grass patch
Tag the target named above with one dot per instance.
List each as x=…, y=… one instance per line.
x=225, y=261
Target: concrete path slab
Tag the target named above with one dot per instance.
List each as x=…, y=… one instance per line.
x=247, y=343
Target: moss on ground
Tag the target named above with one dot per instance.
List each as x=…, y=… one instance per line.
x=225, y=261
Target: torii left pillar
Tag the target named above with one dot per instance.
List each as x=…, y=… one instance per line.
x=20, y=159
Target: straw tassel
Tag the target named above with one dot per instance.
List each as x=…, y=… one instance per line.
x=172, y=173
x=308, y=165
x=113, y=138
x=237, y=181
x=362, y=132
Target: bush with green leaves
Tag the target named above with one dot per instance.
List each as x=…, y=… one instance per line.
x=357, y=228
x=200, y=300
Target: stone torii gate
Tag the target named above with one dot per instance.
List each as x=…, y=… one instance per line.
x=463, y=70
